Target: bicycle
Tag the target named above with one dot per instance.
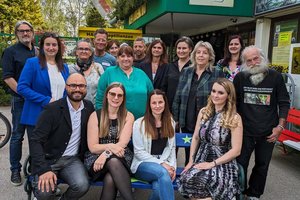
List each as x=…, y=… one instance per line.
x=5, y=130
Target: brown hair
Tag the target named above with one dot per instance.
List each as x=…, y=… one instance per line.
x=112, y=42
x=125, y=49
x=163, y=57
x=58, y=56
x=227, y=54
x=167, y=129
x=104, y=117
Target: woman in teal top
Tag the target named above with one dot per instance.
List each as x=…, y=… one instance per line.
x=137, y=84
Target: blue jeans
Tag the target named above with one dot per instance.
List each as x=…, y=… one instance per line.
x=159, y=177
x=72, y=171
x=18, y=130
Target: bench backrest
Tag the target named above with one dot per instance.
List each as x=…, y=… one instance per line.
x=294, y=116
x=183, y=139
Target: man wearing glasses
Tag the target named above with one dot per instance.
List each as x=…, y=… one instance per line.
x=59, y=141
x=13, y=61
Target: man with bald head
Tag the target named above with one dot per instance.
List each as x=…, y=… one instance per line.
x=59, y=142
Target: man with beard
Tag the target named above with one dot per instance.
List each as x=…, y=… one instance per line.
x=59, y=142
x=100, y=43
x=139, y=51
x=263, y=103
x=13, y=61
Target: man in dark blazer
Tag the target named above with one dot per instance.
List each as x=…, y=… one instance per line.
x=59, y=141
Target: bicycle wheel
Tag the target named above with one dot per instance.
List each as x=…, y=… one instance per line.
x=5, y=130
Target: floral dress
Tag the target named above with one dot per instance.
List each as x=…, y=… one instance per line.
x=227, y=72
x=220, y=182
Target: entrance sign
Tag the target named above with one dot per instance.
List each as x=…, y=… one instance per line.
x=220, y=3
x=113, y=33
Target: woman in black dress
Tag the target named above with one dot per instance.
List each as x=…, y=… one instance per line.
x=109, y=131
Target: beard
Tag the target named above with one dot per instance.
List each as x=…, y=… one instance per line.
x=76, y=96
x=257, y=73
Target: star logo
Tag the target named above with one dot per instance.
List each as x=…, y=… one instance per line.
x=187, y=139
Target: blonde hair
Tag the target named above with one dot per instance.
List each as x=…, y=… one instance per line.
x=211, y=53
x=228, y=119
x=104, y=116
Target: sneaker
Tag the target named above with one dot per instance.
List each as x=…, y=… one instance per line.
x=252, y=198
x=15, y=178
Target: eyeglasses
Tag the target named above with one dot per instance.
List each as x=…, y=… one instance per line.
x=113, y=94
x=83, y=49
x=74, y=86
x=24, y=31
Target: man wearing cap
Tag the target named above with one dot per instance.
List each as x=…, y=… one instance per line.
x=13, y=61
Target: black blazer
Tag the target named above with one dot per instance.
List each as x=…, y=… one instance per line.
x=160, y=73
x=52, y=134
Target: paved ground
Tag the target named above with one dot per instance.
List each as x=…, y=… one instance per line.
x=283, y=181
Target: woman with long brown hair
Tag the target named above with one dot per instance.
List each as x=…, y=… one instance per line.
x=154, y=147
x=155, y=63
x=109, y=131
x=231, y=63
x=42, y=80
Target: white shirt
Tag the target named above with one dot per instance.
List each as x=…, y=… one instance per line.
x=74, y=142
x=57, y=82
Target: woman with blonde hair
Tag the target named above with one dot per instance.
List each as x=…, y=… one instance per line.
x=212, y=171
x=195, y=83
x=109, y=131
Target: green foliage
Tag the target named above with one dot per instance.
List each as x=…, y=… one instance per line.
x=279, y=68
x=4, y=96
x=12, y=11
x=124, y=8
x=54, y=16
x=93, y=17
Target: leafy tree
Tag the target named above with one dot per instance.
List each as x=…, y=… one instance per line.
x=123, y=8
x=54, y=16
x=74, y=12
x=93, y=17
x=12, y=11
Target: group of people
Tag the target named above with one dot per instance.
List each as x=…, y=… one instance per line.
x=110, y=116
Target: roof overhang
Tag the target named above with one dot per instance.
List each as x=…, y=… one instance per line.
x=180, y=17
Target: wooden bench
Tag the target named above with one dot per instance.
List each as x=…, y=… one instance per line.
x=289, y=137
x=183, y=140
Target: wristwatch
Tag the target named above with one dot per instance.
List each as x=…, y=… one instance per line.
x=107, y=153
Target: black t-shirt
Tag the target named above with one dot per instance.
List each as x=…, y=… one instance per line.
x=260, y=106
x=159, y=144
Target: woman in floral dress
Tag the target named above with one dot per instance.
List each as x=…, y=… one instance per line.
x=231, y=63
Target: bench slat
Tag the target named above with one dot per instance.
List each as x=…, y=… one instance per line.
x=293, y=144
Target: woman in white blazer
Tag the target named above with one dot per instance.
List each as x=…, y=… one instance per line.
x=154, y=147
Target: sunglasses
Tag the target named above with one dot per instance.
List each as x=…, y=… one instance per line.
x=74, y=86
x=113, y=94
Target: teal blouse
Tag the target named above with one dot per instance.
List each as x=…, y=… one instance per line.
x=137, y=86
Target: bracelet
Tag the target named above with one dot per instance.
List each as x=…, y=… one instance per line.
x=282, y=128
x=215, y=163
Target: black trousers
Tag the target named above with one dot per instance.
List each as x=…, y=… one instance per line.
x=263, y=154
